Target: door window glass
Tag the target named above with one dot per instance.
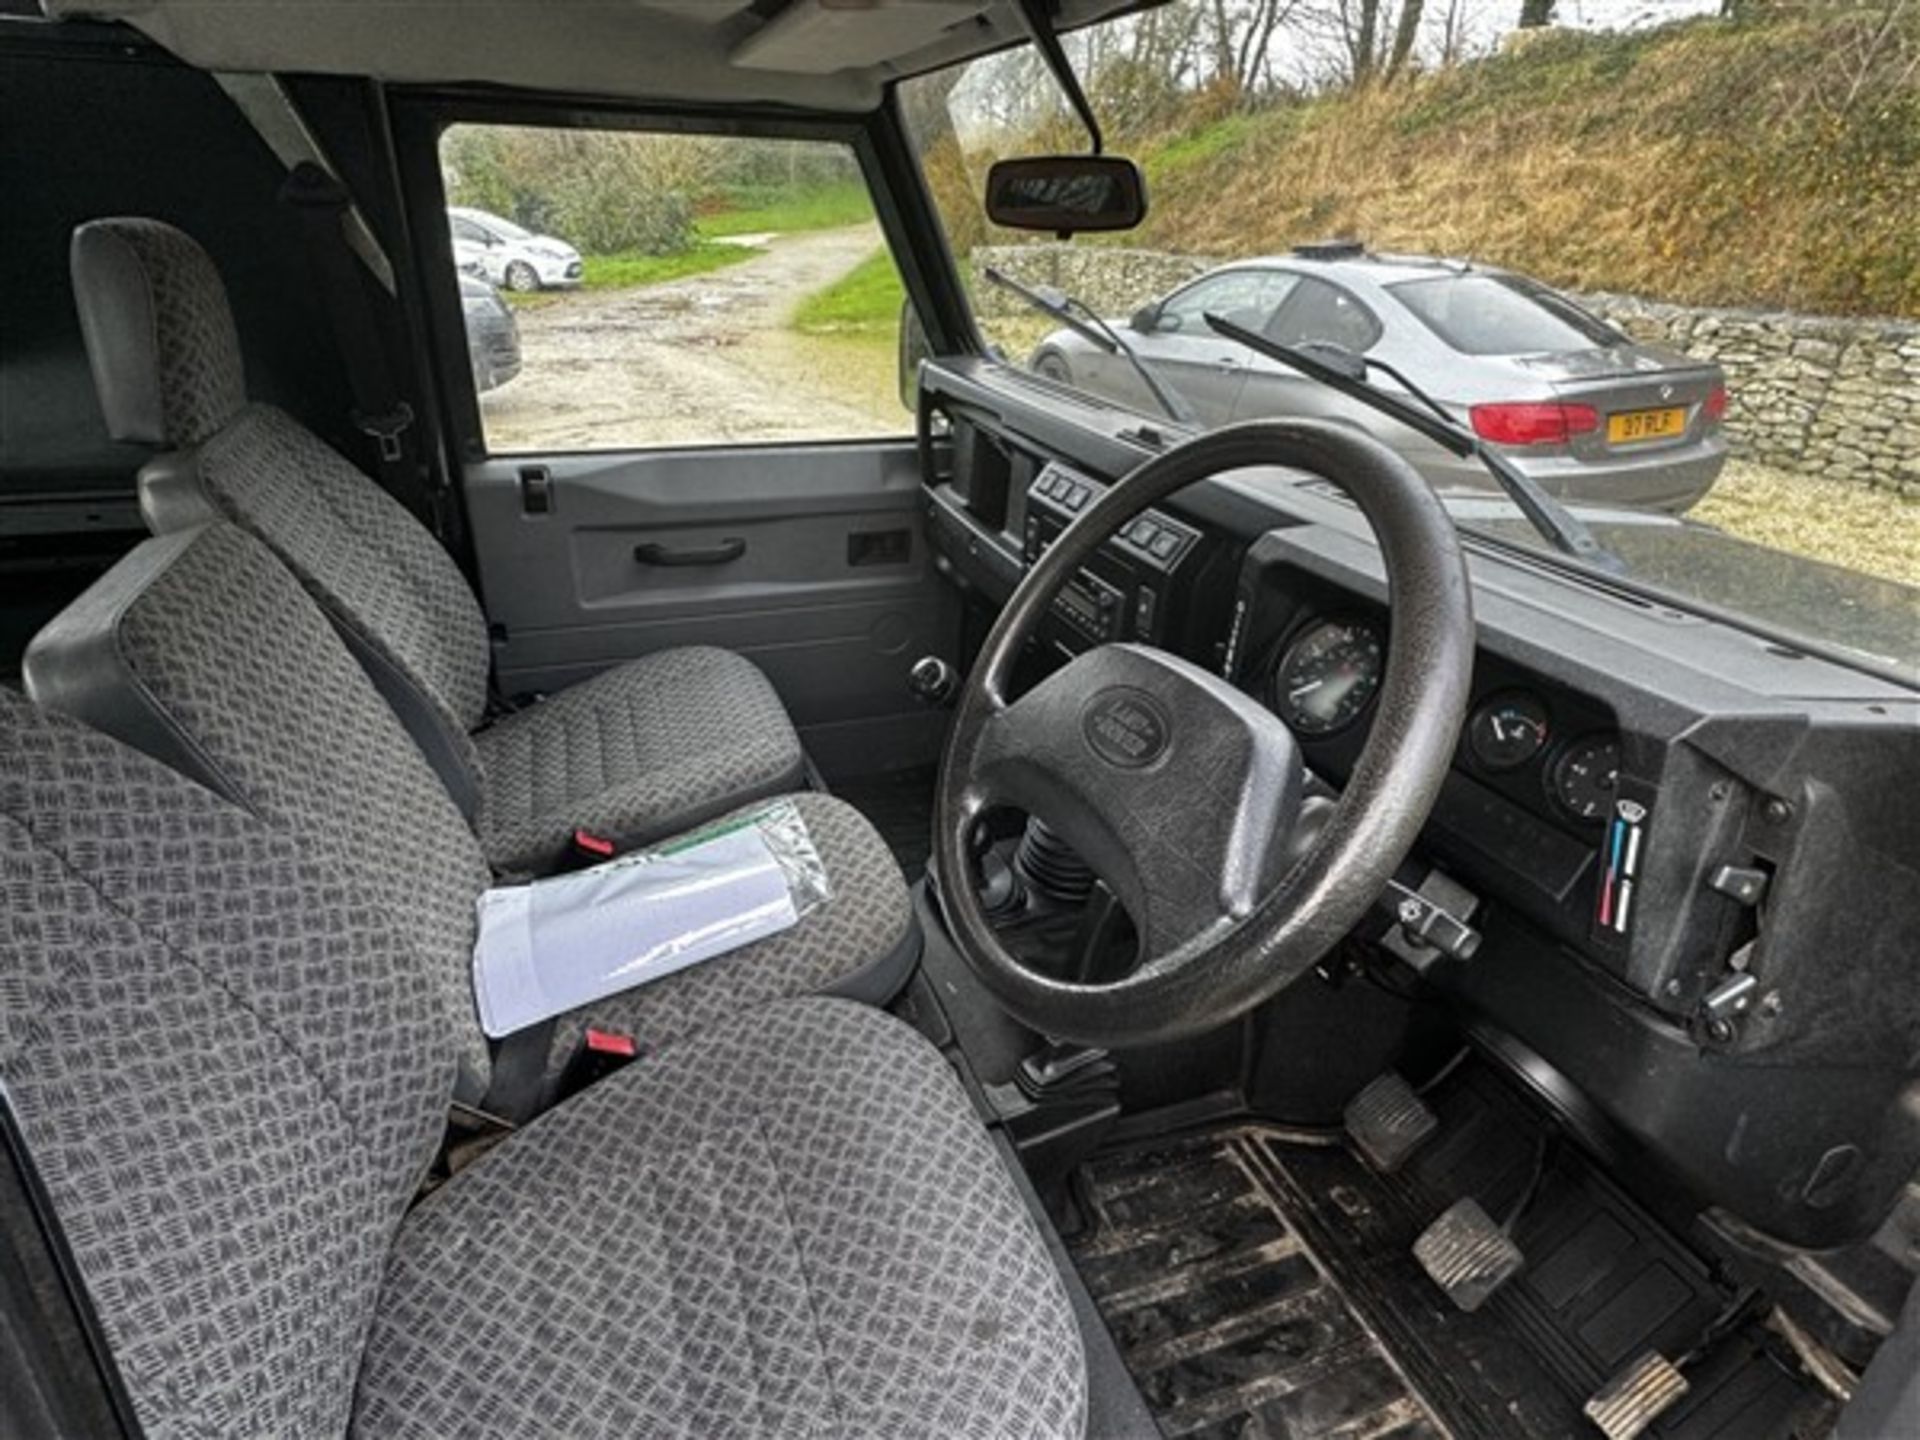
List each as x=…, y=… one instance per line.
x=1247, y=297
x=1317, y=311
x=622, y=289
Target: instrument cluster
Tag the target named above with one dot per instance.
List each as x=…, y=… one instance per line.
x=1329, y=671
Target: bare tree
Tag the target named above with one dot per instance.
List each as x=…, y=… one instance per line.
x=1373, y=40
x=1405, y=34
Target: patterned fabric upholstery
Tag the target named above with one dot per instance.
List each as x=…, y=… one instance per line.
x=379, y=575
x=852, y=937
x=791, y=1226
x=634, y=754
x=223, y=641
x=230, y=1080
x=216, y=639
x=642, y=751
x=173, y=307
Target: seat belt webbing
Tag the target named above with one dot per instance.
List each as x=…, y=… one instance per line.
x=378, y=411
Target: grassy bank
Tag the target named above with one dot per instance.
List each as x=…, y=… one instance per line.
x=625, y=271
x=864, y=302
x=759, y=211
x=622, y=272
x=1758, y=163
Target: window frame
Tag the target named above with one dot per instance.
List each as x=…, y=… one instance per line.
x=910, y=228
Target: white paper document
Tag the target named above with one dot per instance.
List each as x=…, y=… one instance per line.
x=564, y=942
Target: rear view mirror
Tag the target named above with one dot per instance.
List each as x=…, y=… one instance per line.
x=1146, y=319
x=1066, y=194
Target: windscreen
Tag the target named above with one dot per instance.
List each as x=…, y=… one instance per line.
x=1662, y=255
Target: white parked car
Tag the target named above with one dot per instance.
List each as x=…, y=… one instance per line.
x=509, y=255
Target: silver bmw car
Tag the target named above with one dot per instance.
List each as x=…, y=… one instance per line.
x=1582, y=408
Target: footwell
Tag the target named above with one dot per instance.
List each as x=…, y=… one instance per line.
x=1261, y=1283
x=1230, y=1325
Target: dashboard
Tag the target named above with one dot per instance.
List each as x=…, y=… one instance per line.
x=1679, y=841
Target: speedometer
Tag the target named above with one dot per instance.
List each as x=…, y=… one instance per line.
x=1329, y=672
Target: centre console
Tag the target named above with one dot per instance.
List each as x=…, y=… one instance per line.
x=1122, y=592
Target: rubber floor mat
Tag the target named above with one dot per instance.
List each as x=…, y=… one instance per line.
x=1228, y=1322
x=899, y=805
x=1261, y=1284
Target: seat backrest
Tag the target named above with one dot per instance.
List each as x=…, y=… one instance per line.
x=200, y=649
x=230, y=1074
x=166, y=361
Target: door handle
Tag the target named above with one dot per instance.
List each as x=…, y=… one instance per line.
x=721, y=554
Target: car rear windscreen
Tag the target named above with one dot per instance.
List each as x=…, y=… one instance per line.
x=1501, y=315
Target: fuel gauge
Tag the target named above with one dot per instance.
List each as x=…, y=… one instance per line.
x=1508, y=731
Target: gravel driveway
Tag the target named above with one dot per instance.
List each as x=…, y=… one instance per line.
x=700, y=360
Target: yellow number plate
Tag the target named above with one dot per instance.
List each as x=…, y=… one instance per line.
x=1630, y=426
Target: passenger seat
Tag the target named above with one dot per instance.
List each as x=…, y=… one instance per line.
x=640, y=751
x=201, y=650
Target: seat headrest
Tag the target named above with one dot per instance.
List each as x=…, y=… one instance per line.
x=159, y=332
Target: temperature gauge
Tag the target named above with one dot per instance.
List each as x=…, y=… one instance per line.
x=1508, y=731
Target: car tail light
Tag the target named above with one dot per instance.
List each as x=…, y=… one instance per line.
x=1716, y=406
x=1533, y=422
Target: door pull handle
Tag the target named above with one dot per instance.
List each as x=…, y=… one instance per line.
x=723, y=553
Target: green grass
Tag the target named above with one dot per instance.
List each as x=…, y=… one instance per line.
x=820, y=207
x=864, y=301
x=624, y=271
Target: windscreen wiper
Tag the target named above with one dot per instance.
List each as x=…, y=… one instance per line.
x=1079, y=318
x=1346, y=372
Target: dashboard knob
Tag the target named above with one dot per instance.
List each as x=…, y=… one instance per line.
x=933, y=681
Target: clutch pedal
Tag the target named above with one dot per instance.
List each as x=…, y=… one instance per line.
x=1633, y=1399
x=1467, y=1255
x=1388, y=1121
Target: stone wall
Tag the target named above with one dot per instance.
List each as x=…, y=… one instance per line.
x=1825, y=395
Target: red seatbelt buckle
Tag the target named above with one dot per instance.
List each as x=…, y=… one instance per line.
x=591, y=849
x=601, y=1053
x=611, y=1043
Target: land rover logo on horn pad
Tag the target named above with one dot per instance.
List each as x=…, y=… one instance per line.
x=1126, y=727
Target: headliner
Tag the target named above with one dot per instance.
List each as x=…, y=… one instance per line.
x=832, y=55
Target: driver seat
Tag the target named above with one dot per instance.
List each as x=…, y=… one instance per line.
x=233, y=1081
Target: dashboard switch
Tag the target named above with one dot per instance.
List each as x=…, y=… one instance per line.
x=1738, y=882
x=1426, y=925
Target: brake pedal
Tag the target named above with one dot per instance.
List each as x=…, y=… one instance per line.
x=1467, y=1255
x=1388, y=1121
x=1633, y=1399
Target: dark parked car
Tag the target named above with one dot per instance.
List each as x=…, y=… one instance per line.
x=493, y=335
x=1581, y=407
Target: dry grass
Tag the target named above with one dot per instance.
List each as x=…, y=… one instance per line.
x=1872, y=531
x=1710, y=163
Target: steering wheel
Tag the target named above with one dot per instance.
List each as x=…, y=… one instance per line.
x=1180, y=790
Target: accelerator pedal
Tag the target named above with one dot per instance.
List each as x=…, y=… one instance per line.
x=1387, y=1121
x=1633, y=1399
x=1467, y=1254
